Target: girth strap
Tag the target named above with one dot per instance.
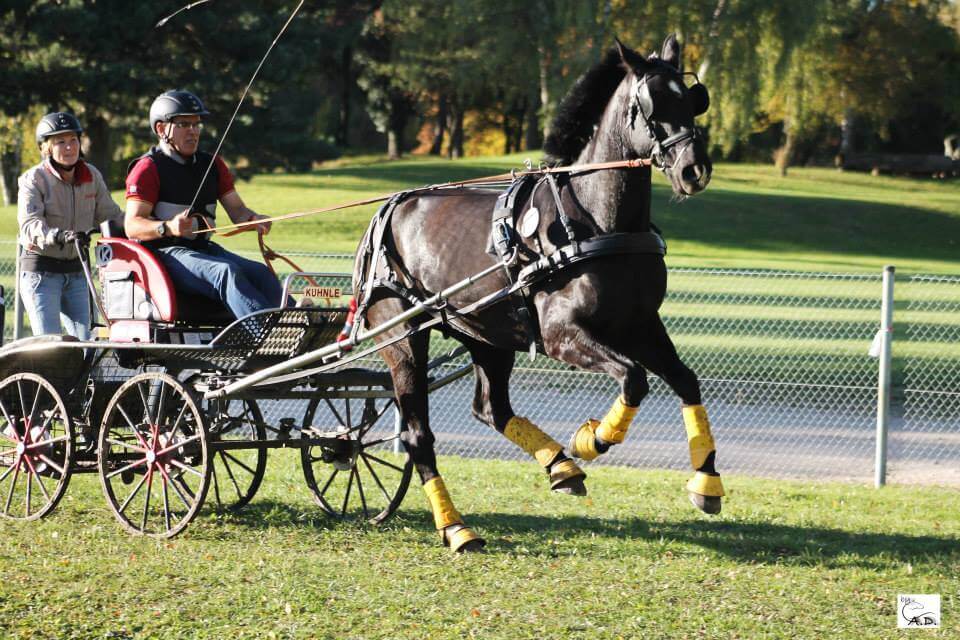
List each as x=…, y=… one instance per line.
x=645, y=242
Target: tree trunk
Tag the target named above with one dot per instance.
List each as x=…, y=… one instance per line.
x=846, y=136
x=784, y=155
x=99, y=152
x=455, y=122
x=439, y=127
x=393, y=143
x=343, y=132
x=545, y=106
x=10, y=159
x=533, y=139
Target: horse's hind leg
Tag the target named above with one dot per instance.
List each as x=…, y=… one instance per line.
x=491, y=405
x=660, y=356
x=408, y=367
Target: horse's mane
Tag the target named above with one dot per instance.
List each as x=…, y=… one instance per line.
x=581, y=109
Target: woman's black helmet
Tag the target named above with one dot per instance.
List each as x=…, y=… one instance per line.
x=57, y=122
x=175, y=103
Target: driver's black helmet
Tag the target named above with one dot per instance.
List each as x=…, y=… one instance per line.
x=57, y=122
x=175, y=103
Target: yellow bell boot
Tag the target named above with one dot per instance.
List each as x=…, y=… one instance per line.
x=611, y=430
x=453, y=532
x=565, y=475
x=705, y=487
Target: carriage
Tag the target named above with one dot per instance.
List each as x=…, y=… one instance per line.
x=130, y=406
x=568, y=264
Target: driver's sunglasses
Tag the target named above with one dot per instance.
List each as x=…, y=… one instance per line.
x=188, y=125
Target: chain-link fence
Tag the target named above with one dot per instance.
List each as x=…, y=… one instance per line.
x=783, y=359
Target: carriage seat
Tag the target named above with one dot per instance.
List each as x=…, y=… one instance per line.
x=136, y=287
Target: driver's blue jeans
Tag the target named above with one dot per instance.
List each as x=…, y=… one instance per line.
x=243, y=285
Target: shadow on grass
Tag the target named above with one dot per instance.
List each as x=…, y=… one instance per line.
x=749, y=542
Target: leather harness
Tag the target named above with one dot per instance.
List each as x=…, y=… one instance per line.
x=378, y=267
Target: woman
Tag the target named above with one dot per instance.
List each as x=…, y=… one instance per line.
x=60, y=201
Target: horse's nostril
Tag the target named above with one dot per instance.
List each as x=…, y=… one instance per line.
x=691, y=173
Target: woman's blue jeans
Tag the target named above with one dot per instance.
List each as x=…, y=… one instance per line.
x=54, y=298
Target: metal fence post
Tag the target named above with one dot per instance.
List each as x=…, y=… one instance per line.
x=883, y=379
x=17, y=302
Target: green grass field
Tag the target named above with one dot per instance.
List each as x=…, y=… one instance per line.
x=749, y=217
x=633, y=559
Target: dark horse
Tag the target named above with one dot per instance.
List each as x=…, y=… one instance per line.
x=599, y=314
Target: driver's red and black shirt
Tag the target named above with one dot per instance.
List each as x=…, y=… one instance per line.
x=170, y=183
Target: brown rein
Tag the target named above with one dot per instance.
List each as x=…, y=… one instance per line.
x=582, y=168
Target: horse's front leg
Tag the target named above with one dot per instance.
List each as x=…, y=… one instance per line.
x=408, y=367
x=658, y=354
x=491, y=405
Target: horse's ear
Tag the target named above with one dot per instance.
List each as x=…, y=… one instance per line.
x=630, y=58
x=670, y=52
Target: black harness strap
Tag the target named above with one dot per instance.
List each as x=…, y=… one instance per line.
x=646, y=242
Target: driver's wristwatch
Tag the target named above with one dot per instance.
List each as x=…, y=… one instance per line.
x=162, y=229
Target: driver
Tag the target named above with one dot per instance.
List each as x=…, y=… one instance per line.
x=160, y=187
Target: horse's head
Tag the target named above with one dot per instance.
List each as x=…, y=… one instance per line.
x=660, y=117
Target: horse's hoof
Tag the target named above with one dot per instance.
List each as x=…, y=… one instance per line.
x=566, y=477
x=572, y=486
x=707, y=504
x=583, y=442
x=462, y=539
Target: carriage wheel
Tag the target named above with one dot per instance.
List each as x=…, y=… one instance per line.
x=36, y=447
x=236, y=474
x=360, y=475
x=154, y=463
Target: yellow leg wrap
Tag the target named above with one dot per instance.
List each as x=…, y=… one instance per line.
x=460, y=537
x=531, y=439
x=444, y=513
x=699, y=437
x=705, y=485
x=613, y=427
x=564, y=470
x=583, y=443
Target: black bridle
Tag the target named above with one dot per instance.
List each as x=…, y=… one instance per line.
x=642, y=106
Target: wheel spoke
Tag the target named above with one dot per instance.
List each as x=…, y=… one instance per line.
x=384, y=462
x=346, y=495
x=176, y=489
x=33, y=472
x=146, y=402
x=166, y=502
x=53, y=464
x=226, y=466
x=10, y=421
x=329, y=480
x=14, y=465
x=125, y=445
x=176, y=423
x=29, y=491
x=176, y=445
x=133, y=493
x=36, y=400
x=376, y=478
x=44, y=443
x=184, y=467
x=163, y=388
x=135, y=463
x=23, y=406
x=336, y=414
x=239, y=463
x=146, y=501
x=133, y=427
x=16, y=476
x=373, y=443
x=216, y=486
x=363, y=498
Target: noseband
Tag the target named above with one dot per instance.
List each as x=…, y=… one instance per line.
x=643, y=106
